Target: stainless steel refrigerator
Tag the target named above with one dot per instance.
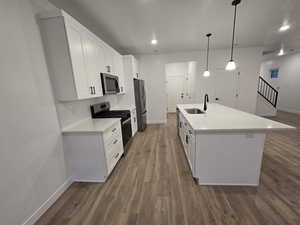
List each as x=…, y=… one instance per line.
x=140, y=102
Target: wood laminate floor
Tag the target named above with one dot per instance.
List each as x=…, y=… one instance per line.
x=153, y=185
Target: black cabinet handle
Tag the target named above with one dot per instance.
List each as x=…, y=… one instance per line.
x=186, y=139
x=91, y=87
x=94, y=90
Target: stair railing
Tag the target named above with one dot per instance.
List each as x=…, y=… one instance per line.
x=267, y=91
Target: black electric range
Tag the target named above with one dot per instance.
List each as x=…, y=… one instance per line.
x=102, y=110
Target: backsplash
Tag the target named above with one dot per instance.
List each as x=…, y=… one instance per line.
x=74, y=111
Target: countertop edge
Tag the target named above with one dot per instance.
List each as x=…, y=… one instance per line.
x=65, y=131
x=246, y=130
x=234, y=130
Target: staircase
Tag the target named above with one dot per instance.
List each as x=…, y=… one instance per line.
x=267, y=98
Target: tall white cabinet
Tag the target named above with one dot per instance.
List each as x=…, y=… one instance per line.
x=76, y=57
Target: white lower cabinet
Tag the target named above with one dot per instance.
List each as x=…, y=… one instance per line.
x=91, y=157
x=188, y=140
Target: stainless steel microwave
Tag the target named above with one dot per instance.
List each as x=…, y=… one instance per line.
x=110, y=84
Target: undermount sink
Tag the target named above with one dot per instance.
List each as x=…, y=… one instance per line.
x=194, y=111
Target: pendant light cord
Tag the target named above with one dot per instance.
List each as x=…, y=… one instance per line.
x=233, y=33
x=207, y=53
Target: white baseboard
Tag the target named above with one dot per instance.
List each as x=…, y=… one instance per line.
x=267, y=115
x=227, y=184
x=290, y=111
x=88, y=181
x=156, y=122
x=49, y=202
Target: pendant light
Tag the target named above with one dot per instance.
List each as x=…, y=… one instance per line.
x=206, y=72
x=281, y=51
x=231, y=64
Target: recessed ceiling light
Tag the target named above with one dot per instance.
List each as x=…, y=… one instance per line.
x=284, y=27
x=154, y=41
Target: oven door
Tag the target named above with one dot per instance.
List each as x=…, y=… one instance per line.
x=126, y=131
x=110, y=84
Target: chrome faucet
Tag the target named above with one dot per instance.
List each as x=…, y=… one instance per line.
x=205, y=101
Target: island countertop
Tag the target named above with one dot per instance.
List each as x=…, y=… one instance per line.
x=225, y=119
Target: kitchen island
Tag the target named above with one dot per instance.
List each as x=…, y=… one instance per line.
x=224, y=146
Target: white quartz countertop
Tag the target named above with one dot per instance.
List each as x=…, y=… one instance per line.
x=91, y=125
x=222, y=118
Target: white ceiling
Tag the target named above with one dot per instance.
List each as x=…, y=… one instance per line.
x=181, y=25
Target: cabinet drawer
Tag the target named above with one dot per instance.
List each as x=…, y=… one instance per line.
x=112, y=142
x=113, y=155
x=114, y=131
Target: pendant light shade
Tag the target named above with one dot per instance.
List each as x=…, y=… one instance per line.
x=281, y=51
x=231, y=65
x=206, y=72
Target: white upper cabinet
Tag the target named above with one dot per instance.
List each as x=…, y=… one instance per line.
x=109, y=60
x=76, y=58
x=94, y=60
x=76, y=39
x=119, y=71
x=135, y=67
x=131, y=66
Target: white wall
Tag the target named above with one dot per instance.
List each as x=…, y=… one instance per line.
x=32, y=163
x=188, y=70
x=152, y=70
x=177, y=69
x=288, y=81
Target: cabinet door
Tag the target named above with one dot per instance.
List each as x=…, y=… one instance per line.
x=189, y=147
x=75, y=40
x=93, y=59
x=133, y=122
x=192, y=147
x=135, y=67
x=181, y=129
x=119, y=70
x=100, y=67
x=109, y=60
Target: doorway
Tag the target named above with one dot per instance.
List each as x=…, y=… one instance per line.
x=177, y=85
x=175, y=92
x=185, y=84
